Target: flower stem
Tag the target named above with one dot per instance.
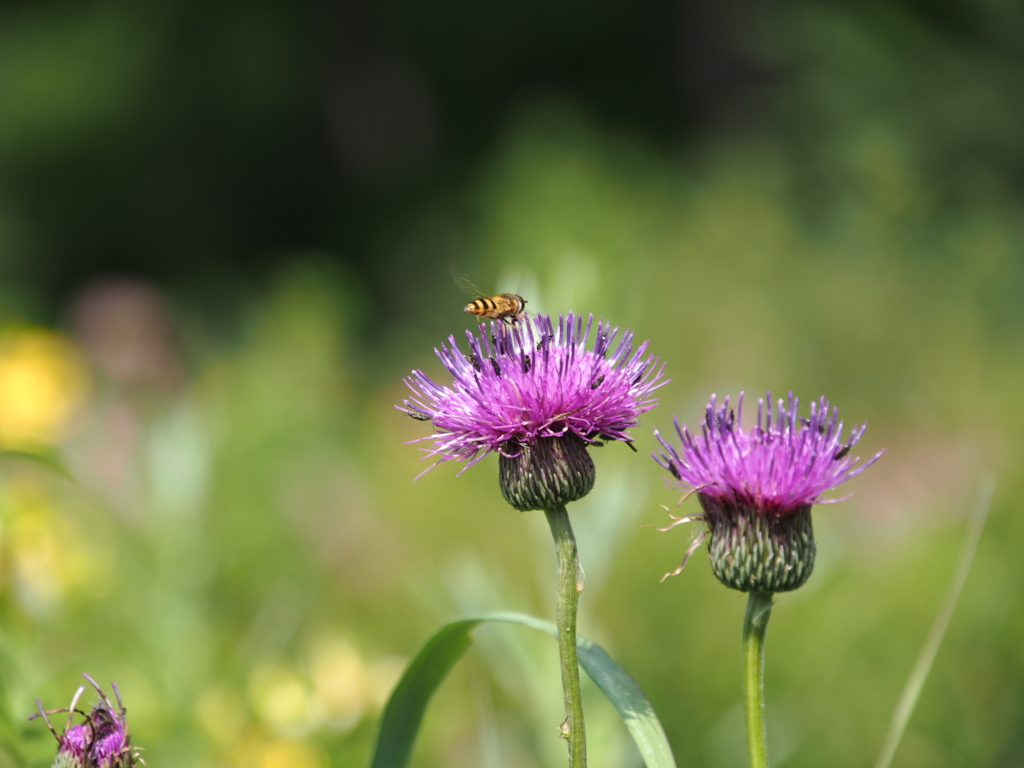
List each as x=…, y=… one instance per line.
x=570, y=584
x=755, y=625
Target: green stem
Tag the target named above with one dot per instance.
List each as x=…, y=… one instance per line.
x=755, y=625
x=570, y=584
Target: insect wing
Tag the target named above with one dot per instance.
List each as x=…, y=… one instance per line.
x=466, y=285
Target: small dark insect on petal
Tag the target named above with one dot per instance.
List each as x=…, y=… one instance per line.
x=807, y=423
x=674, y=470
x=726, y=420
x=842, y=452
x=419, y=416
x=475, y=361
x=497, y=368
x=597, y=382
x=527, y=363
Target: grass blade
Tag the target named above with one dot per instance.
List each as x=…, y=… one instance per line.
x=912, y=690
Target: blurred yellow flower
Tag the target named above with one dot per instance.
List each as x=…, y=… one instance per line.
x=282, y=700
x=256, y=751
x=341, y=681
x=42, y=382
x=340, y=687
x=47, y=554
x=287, y=754
x=221, y=713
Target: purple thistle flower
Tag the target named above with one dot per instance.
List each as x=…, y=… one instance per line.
x=520, y=387
x=101, y=741
x=757, y=487
x=783, y=463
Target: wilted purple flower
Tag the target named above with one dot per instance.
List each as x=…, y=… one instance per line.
x=757, y=487
x=111, y=747
x=534, y=394
x=101, y=741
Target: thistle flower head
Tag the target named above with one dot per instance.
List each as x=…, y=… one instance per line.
x=757, y=487
x=534, y=380
x=783, y=463
x=101, y=741
x=518, y=388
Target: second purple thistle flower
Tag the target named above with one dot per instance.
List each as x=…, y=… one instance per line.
x=537, y=396
x=756, y=487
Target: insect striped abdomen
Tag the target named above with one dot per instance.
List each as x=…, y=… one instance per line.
x=481, y=306
x=504, y=306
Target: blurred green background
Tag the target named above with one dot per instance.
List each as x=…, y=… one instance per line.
x=225, y=236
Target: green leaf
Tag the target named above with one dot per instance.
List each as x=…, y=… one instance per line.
x=404, y=711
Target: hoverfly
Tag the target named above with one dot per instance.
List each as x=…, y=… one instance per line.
x=510, y=307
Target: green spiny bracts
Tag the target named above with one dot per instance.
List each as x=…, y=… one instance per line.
x=756, y=552
x=546, y=473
